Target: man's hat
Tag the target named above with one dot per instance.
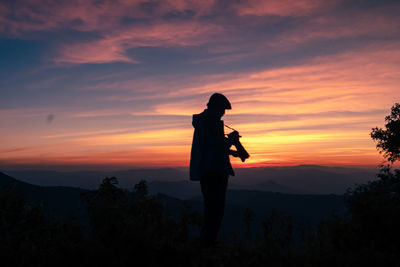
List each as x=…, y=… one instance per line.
x=218, y=100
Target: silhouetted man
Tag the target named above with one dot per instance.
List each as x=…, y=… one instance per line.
x=209, y=163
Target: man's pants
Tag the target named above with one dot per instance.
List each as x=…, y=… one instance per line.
x=213, y=187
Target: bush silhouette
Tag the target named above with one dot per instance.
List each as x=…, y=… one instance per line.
x=134, y=228
x=375, y=206
x=32, y=237
x=133, y=224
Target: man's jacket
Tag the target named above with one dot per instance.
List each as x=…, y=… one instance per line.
x=210, y=147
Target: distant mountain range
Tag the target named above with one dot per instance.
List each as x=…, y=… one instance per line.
x=187, y=189
x=60, y=200
x=303, y=179
x=66, y=201
x=308, y=178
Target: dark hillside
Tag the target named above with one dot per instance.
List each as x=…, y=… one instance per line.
x=61, y=200
x=66, y=201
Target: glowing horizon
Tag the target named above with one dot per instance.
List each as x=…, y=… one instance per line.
x=102, y=83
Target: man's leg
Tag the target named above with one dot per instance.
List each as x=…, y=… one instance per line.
x=213, y=187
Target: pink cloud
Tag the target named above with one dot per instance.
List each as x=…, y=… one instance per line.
x=3, y=13
x=282, y=7
x=107, y=20
x=112, y=47
x=102, y=51
x=88, y=15
x=116, y=36
x=376, y=23
x=355, y=79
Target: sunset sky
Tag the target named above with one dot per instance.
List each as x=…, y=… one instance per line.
x=115, y=83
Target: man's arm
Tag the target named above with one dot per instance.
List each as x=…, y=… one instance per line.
x=216, y=137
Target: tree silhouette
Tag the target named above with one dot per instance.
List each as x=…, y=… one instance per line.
x=247, y=219
x=388, y=139
x=30, y=236
x=375, y=206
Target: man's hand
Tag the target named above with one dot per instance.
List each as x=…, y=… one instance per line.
x=234, y=137
x=234, y=153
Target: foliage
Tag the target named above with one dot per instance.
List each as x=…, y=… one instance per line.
x=375, y=206
x=31, y=237
x=247, y=219
x=127, y=225
x=133, y=228
x=388, y=139
x=375, y=209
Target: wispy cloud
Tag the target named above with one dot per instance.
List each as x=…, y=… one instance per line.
x=307, y=79
x=283, y=7
x=119, y=26
x=113, y=47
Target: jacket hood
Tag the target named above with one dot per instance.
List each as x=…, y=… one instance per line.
x=197, y=119
x=206, y=114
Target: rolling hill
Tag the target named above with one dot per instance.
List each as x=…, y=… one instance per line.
x=303, y=179
x=66, y=201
